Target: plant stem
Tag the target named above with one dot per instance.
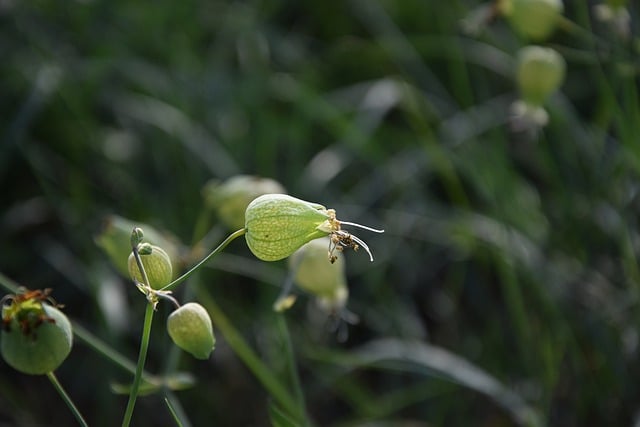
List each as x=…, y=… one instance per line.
x=292, y=367
x=193, y=269
x=242, y=349
x=144, y=345
x=56, y=384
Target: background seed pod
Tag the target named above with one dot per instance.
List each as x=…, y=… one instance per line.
x=534, y=19
x=157, y=265
x=44, y=349
x=114, y=239
x=190, y=329
x=540, y=72
x=277, y=225
x=230, y=199
x=314, y=273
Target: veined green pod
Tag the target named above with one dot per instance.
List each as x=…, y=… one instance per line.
x=157, y=265
x=190, y=329
x=277, y=225
x=540, y=72
x=36, y=336
x=230, y=199
x=534, y=19
x=313, y=273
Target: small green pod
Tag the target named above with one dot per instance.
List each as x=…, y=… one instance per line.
x=115, y=236
x=157, y=265
x=277, y=225
x=230, y=198
x=190, y=329
x=533, y=19
x=312, y=271
x=540, y=72
x=40, y=345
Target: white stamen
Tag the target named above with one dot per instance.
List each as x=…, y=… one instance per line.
x=364, y=227
x=364, y=245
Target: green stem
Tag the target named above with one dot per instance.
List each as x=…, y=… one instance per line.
x=193, y=269
x=174, y=414
x=292, y=367
x=240, y=347
x=56, y=384
x=144, y=345
x=8, y=284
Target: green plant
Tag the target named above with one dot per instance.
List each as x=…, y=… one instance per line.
x=37, y=337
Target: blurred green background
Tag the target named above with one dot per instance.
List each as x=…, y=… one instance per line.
x=505, y=290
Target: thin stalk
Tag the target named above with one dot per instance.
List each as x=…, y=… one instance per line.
x=76, y=413
x=240, y=347
x=8, y=284
x=292, y=368
x=193, y=269
x=175, y=416
x=144, y=345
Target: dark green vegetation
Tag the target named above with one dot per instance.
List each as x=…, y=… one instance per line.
x=506, y=286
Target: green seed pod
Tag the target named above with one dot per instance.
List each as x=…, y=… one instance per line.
x=540, y=72
x=37, y=337
x=190, y=329
x=534, y=19
x=115, y=240
x=230, y=199
x=277, y=225
x=312, y=271
x=337, y=303
x=157, y=265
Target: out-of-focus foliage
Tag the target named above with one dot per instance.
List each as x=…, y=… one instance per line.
x=504, y=291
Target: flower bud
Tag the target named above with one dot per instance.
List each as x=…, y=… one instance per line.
x=36, y=336
x=230, y=199
x=534, y=19
x=312, y=271
x=540, y=72
x=190, y=329
x=157, y=265
x=115, y=240
x=276, y=225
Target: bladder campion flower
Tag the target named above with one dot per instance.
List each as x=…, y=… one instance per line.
x=277, y=225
